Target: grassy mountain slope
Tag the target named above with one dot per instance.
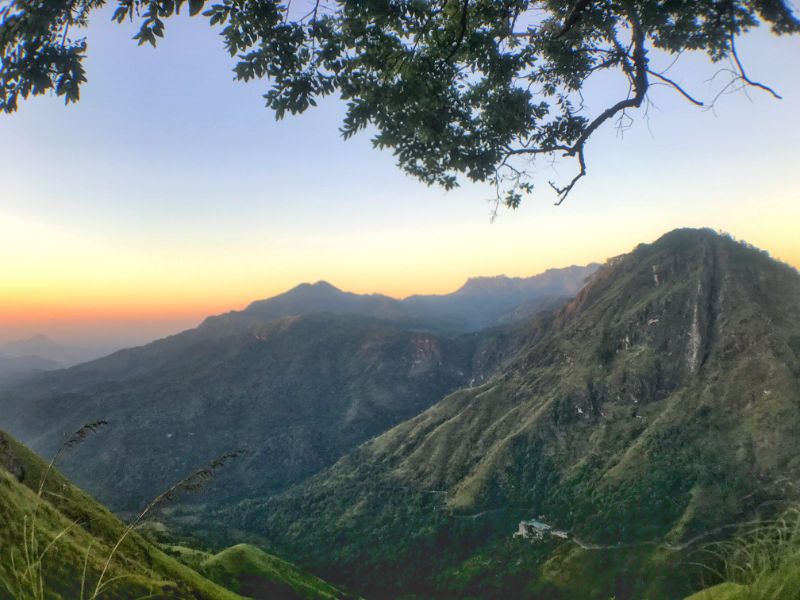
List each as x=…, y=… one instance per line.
x=83, y=533
x=655, y=411
x=141, y=568
x=261, y=576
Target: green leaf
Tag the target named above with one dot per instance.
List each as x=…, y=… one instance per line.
x=195, y=6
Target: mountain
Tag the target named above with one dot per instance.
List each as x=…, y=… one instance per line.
x=298, y=379
x=615, y=435
x=485, y=301
x=21, y=358
x=481, y=302
x=75, y=535
x=305, y=299
x=255, y=574
x=47, y=354
x=296, y=392
x=36, y=345
x=655, y=412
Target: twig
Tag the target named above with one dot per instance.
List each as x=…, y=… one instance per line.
x=744, y=76
x=672, y=83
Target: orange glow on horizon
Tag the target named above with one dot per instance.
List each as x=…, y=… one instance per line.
x=119, y=307
x=78, y=286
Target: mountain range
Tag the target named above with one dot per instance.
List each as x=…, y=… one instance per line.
x=298, y=380
x=480, y=303
x=396, y=447
x=11, y=366
x=654, y=412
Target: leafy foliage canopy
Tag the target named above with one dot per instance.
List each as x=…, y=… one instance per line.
x=453, y=87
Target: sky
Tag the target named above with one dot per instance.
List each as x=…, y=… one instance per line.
x=169, y=193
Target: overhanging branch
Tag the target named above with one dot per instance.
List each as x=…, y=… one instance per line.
x=637, y=72
x=744, y=76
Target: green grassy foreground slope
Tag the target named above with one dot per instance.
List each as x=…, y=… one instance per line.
x=256, y=574
x=86, y=529
x=80, y=534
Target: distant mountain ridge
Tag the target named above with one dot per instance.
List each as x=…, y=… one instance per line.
x=558, y=281
x=485, y=301
x=40, y=353
x=481, y=302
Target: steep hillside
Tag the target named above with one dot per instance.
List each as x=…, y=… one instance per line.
x=297, y=393
x=657, y=410
x=258, y=575
x=75, y=535
x=79, y=525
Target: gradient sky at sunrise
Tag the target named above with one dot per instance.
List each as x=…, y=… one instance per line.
x=169, y=193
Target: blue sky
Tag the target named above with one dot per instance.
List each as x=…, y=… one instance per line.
x=169, y=192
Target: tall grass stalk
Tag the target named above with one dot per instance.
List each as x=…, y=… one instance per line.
x=192, y=483
x=30, y=581
x=764, y=562
x=29, y=573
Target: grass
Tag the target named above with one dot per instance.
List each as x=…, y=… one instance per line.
x=254, y=573
x=69, y=538
x=762, y=564
x=58, y=543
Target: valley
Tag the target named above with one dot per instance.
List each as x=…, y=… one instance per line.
x=394, y=448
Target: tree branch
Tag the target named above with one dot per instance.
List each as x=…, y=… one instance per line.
x=462, y=32
x=563, y=192
x=573, y=16
x=637, y=72
x=670, y=82
x=744, y=76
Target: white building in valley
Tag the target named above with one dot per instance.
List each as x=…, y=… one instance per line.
x=537, y=530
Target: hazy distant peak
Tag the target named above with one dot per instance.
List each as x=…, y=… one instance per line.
x=487, y=284
x=484, y=282
x=36, y=344
x=37, y=353
x=321, y=286
x=38, y=339
x=551, y=277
